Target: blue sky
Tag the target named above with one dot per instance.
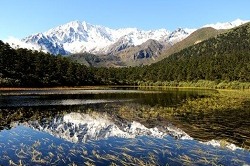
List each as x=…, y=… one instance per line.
x=20, y=18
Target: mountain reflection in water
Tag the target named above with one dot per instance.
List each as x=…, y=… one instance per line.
x=118, y=128
x=81, y=127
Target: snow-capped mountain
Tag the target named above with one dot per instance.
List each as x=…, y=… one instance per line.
x=227, y=25
x=46, y=43
x=78, y=37
x=16, y=43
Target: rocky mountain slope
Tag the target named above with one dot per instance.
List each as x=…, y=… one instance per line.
x=149, y=52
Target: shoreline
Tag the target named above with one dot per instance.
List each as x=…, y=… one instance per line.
x=116, y=86
x=51, y=88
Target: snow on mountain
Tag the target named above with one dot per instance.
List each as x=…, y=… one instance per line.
x=77, y=37
x=178, y=35
x=17, y=43
x=227, y=25
x=46, y=43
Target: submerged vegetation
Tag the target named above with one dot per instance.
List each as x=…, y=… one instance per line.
x=202, y=118
x=117, y=151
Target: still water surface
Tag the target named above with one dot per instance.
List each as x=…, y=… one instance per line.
x=94, y=127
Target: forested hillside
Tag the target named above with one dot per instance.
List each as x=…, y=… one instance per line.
x=195, y=38
x=24, y=67
x=225, y=57
x=222, y=58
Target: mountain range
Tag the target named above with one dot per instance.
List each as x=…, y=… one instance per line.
x=121, y=46
x=77, y=37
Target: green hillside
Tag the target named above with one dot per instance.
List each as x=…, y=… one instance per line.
x=194, y=38
x=225, y=57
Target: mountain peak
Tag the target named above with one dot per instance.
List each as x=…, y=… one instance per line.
x=74, y=23
x=238, y=21
x=66, y=27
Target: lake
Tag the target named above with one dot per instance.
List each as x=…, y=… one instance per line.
x=118, y=126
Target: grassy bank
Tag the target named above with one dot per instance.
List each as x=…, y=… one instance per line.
x=200, y=84
x=203, y=84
